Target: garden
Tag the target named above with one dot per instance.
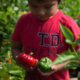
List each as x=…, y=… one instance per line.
x=10, y=12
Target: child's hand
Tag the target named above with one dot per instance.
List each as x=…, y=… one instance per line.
x=31, y=68
x=54, y=68
x=45, y=74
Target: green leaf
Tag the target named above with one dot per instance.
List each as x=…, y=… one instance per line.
x=79, y=36
x=73, y=43
x=79, y=54
x=78, y=76
x=71, y=65
x=65, y=56
x=3, y=70
x=12, y=78
x=15, y=72
x=1, y=78
x=69, y=42
x=77, y=42
x=11, y=66
x=8, y=66
x=9, y=54
x=66, y=32
x=3, y=15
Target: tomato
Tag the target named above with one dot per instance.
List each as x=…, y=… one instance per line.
x=30, y=61
x=25, y=59
x=21, y=57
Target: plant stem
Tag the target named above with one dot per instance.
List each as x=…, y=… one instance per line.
x=31, y=53
x=75, y=52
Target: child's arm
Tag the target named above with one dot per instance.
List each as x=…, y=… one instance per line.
x=54, y=69
x=16, y=50
x=57, y=67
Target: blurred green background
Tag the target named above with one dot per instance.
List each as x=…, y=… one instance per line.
x=10, y=12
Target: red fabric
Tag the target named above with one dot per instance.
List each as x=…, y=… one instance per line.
x=44, y=39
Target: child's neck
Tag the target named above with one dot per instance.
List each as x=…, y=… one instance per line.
x=55, y=13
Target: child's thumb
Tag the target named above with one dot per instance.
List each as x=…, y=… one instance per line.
x=16, y=57
x=53, y=67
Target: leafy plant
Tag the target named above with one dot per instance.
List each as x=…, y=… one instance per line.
x=9, y=70
x=10, y=12
x=45, y=63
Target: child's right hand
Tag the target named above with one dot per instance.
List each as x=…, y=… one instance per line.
x=31, y=68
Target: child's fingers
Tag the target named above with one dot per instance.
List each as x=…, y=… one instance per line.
x=36, y=61
x=34, y=66
x=27, y=69
x=45, y=74
x=53, y=67
x=16, y=57
x=31, y=68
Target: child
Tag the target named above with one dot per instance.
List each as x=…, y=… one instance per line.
x=39, y=32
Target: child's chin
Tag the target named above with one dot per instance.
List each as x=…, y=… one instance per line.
x=43, y=19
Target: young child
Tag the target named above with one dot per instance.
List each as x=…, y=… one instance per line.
x=39, y=32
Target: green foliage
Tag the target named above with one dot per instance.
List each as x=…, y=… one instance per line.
x=10, y=12
x=67, y=34
x=78, y=76
x=45, y=63
x=73, y=64
x=9, y=70
x=71, y=8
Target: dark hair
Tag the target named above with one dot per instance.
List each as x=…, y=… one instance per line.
x=59, y=1
x=45, y=0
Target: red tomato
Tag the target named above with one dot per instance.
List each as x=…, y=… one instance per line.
x=25, y=59
x=29, y=61
x=20, y=58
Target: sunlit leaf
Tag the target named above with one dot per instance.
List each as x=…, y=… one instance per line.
x=12, y=78
x=69, y=42
x=15, y=72
x=77, y=42
x=65, y=56
x=71, y=65
x=9, y=54
x=66, y=32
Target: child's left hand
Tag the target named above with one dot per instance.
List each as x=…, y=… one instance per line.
x=45, y=74
x=54, y=68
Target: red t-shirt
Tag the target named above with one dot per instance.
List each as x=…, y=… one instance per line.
x=44, y=39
